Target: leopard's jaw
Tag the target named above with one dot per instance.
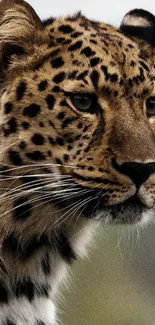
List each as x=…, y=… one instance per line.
x=77, y=124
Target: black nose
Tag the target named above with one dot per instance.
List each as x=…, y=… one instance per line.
x=138, y=172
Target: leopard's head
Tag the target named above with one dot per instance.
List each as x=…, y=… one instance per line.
x=77, y=118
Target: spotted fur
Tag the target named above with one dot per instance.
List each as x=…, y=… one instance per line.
x=63, y=168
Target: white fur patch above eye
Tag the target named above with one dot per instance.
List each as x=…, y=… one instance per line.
x=136, y=21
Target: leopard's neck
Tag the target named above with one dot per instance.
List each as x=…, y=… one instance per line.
x=31, y=299
x=27, y=292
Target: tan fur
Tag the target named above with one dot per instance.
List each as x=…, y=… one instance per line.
x=126, y=136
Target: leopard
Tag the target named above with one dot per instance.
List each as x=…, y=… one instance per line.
x=77, y=146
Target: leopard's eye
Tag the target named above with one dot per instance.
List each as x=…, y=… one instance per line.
x=83, y=102
x=150, y=106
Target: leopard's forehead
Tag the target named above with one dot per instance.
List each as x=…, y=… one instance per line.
x=91, y=41
x=88, y=55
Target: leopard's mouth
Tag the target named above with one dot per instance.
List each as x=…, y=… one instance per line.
x=96, y=206
x=128, y=212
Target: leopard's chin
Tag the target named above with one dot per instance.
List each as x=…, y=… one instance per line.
x=135, y=209
x=131, y=211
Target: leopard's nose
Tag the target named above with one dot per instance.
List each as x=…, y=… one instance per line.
x=137, y=172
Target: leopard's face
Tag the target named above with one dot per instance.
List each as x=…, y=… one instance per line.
x=78, y=105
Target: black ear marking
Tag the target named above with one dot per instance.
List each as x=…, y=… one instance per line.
x=8, y=50
x=139, y=23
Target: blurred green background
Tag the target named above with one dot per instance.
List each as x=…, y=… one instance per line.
x=116, y=284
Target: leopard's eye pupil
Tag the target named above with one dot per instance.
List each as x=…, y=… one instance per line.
x=150, y=106
x=82, y=102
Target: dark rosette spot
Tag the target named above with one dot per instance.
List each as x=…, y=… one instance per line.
x=31, y=110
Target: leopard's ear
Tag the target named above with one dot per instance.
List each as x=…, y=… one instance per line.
x=140, y=24
x=20, y=29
